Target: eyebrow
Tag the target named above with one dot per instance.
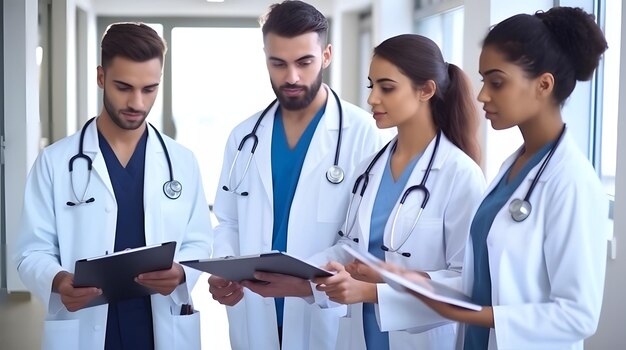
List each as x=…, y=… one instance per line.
x=491, y=71
x=383, y=80
x=119, y=82
x=305, y=57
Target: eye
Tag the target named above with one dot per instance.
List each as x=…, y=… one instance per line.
x=386, y=89
x=149, y=90
x=496, y=84
x=304, y=63
x=277, y=64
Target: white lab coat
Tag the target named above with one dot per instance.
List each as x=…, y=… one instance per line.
x=246, y=222
x=547, y=272
x=54, y=235
x=456, y=184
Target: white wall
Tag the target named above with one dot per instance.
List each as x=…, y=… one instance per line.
x=67, y=73
x=21, y=111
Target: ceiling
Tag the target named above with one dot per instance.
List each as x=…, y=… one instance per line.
x=193, y=8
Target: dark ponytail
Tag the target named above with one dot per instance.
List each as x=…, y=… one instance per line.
x=453, y=107
x=564, y=41
x=455, y=113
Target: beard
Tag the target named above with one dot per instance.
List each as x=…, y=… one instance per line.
x=298, y=103
x=120, y=121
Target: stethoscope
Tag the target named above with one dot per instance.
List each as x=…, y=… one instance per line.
x=171, y=188
x=521, y=209
x=365, y=179
x=334, y=174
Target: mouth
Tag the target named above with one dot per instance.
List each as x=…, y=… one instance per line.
x=378, y=115
x=132, y=115
x=292, y=91
x=489, y=114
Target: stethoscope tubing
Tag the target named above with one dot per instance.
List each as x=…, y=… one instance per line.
x=175, y=192
x=521, y=209
x=255, y=141
x=421, y=187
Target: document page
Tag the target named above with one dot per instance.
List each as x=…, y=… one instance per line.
x=424, y=286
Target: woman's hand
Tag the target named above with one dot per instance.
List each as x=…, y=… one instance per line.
x=364, y=273
x=342, y=288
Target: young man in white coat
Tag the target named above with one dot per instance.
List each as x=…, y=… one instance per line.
x=292, y=196
x=127, y=186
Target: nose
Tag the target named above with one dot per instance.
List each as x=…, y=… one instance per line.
x=293, y=76
x=135, y=101
x=482, y=95
x=373, y=99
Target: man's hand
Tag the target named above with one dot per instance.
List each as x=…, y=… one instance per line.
x=344, y=289
x=225, y=292
x=277, y=285
x=164, y=281
x=74, y=299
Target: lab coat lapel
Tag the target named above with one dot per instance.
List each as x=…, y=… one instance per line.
x=91, y=148
x=156, y=173
x=324, y=139
x=263, y=155
x=369, y=197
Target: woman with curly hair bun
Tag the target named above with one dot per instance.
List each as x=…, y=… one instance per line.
x=536, y=256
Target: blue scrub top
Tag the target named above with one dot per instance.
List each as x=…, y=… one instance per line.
x=129, y=322
x=388, y=194
x=286, y=166
x=476, y=337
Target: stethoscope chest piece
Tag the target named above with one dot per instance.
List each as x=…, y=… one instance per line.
x=172, y=189
x=335, y=174
x=520, y=209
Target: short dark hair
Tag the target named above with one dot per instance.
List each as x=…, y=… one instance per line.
x=291, y=18
x=563, y=41
x=135, y=41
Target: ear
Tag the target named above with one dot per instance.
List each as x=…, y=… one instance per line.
x=327, y=56
x=101, y=77
x=427, y=91
x=545, y=85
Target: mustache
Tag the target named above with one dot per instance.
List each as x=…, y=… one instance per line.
x=132, y=111
x=292, y=86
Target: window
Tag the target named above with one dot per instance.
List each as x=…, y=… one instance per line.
x=219, y=78
x=606, y=136
x=446, y=30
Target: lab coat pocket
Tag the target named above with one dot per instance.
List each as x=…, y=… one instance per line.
x=344, y=333
x=324, y=326
x=425, y=242
x=332, y=203
x=187, y=331
x=350, y=334
x=61, y=335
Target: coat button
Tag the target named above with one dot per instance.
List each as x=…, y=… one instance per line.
x=108, y=209
x=97, y=327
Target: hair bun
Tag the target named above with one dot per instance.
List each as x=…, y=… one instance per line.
x=578, y=35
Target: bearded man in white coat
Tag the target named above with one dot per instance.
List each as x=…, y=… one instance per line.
x=286, y=199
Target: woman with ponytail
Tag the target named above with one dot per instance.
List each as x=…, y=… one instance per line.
x=537, y=267
x=430, y=104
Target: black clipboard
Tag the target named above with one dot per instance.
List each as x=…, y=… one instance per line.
x=115, y=273
x=242, y=268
